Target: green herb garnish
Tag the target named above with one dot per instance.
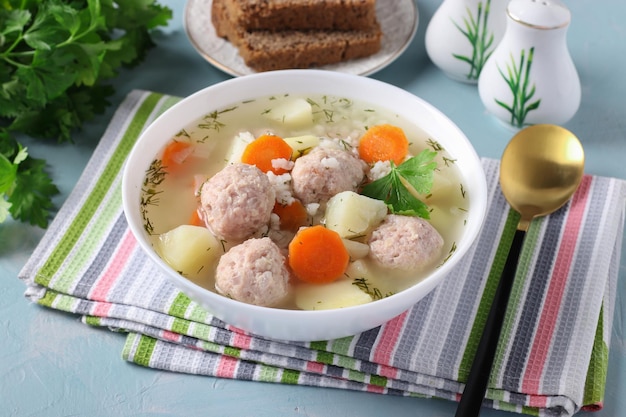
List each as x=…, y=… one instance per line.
x=56, y=58
x=375, y=293
x=398, y=189
x=25, y=189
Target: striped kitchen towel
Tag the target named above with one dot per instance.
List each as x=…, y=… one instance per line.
x=553, y=355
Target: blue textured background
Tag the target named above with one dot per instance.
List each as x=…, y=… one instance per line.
x=52, y=365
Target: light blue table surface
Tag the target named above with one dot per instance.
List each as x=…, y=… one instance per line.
x=52, y=365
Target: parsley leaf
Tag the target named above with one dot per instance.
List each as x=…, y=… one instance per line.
x=55, y=59
x=30, y=200
x=25, y=188
x=399, y=188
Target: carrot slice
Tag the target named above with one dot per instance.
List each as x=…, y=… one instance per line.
x=292, y=216
x=384, y=143
x=175, y=154
x=263, y=150
x=317, y=255
x=195, y=219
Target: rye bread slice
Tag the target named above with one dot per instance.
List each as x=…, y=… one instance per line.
x=264, y=50
x=301, y=14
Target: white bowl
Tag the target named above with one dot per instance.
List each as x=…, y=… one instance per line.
x=299, y=325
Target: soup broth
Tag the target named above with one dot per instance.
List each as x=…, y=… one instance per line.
x=170, y=199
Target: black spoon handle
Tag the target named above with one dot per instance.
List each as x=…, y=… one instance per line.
x=476, y=385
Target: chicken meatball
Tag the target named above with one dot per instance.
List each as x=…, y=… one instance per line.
x=237, y=201
x=324, y=172
x=405, y=243
x=253, y=272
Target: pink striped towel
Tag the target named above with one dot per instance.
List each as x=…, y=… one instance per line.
x=553, y=354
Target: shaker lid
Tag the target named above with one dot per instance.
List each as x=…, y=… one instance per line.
x=539, y=14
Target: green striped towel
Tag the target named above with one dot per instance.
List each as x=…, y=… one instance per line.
x=553, y=354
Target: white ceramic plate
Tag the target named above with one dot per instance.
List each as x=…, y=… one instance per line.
x=398, y=20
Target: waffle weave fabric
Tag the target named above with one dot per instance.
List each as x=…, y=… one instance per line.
x=553, y=354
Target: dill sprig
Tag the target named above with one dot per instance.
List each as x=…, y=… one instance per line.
x=211, y=120
x=363, y=285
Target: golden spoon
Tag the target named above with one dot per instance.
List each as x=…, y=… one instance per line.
x=540, y=169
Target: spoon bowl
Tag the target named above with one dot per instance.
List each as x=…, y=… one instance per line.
x=540, y=170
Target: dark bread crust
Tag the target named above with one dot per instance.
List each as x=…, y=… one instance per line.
x=302, y=14
x=266, y=50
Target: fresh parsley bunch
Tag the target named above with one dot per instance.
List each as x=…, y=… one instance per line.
x=55, y=59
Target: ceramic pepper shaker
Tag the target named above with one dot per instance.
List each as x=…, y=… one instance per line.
x=530, y=78
x=462, y=34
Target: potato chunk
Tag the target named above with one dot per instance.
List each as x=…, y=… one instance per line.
x=339, y=294
x=189, y=249
x=294, y=113
x=351, y=214
x=441, y=190
x=302, y=144
x=357, y=250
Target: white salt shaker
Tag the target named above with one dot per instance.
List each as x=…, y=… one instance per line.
x=462, y=34
x=530, y=78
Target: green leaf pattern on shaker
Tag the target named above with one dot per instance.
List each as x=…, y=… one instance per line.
x=517, y=77
x=476, y=31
